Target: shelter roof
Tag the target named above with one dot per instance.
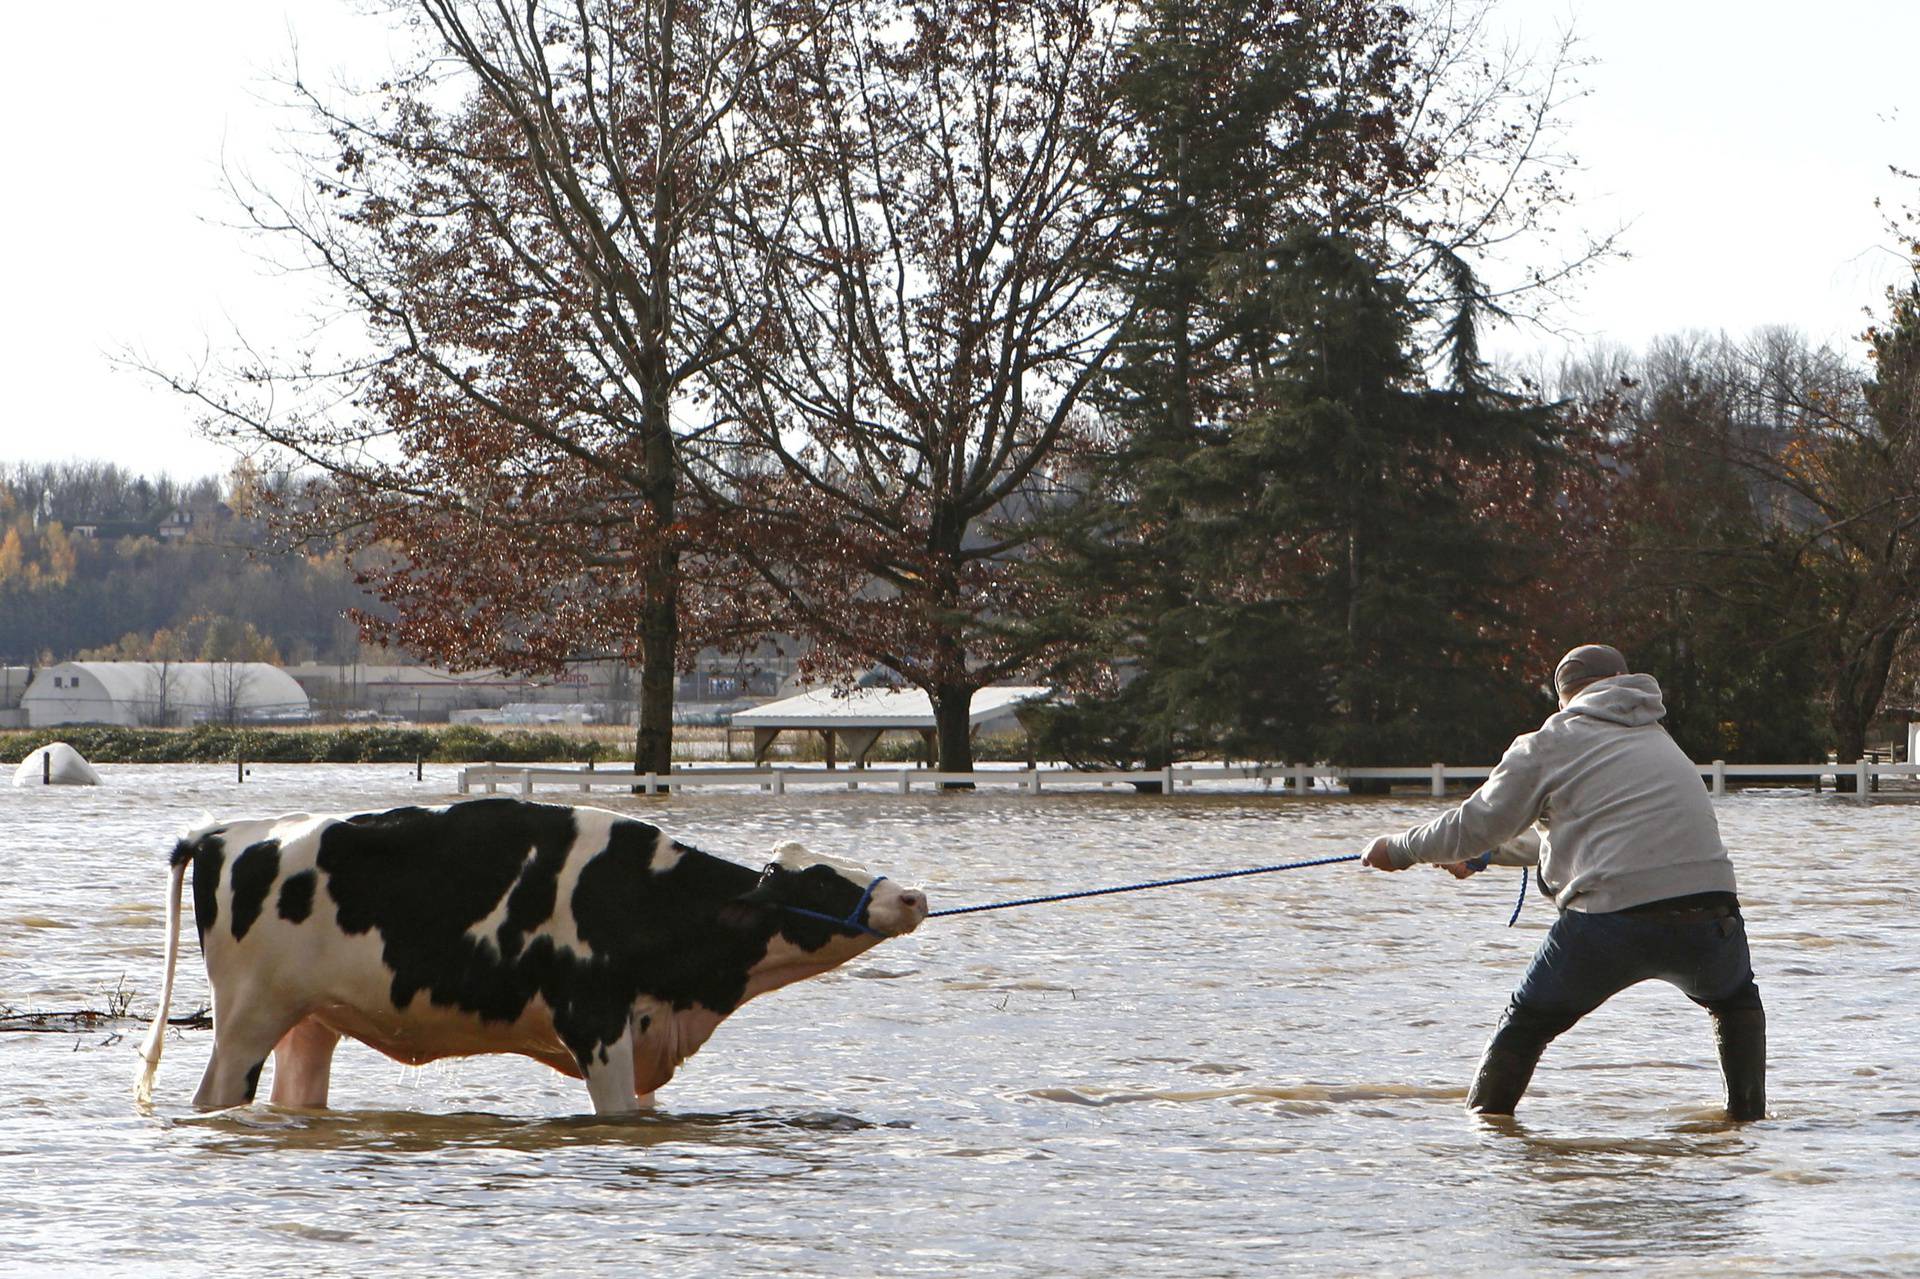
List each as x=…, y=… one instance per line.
x=878, y=708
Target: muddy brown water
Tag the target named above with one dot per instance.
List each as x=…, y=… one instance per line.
x=1246, y=1077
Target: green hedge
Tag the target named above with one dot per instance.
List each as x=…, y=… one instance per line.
x=207, y=744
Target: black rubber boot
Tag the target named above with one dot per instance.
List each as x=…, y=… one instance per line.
x=1505, y=1071
x=1742, y=1037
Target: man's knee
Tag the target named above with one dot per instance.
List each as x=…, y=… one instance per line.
x=1531, y=1027
x=1744, y=998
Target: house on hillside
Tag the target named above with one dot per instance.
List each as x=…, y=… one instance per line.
x=163, y=694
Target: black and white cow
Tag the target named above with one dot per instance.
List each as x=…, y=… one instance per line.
x=576, y=936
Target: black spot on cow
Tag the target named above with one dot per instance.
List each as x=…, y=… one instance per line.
x=422, y=879
x=208, y=855
x=254, y=871
x=296, y=896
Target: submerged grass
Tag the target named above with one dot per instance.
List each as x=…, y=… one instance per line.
x=213, y=744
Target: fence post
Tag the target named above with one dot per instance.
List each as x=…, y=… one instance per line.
x=653, y=783
x=526, y=783
x=460, y=782
x=1860, y=770
x=1719, y=778
x=1033, y=781
x=1302, y=783
x=46, y=766
x=779, y=782
x=1439, y=780
x=906, y=781
x=585, y=787
x=1166, y=780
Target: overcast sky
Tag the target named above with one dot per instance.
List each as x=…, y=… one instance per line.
x=1740, y=143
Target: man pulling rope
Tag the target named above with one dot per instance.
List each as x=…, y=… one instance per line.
x=1634, y=863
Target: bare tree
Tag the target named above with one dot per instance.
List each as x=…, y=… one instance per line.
x=928, y=244
x=518, y=221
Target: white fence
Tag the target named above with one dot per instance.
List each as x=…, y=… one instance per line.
x=1297, y=779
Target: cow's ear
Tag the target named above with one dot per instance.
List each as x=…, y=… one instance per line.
x=753, y=906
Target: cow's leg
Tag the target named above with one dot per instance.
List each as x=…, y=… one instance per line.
x=241, y=1041
x=609, y=1072
x=303, y=1065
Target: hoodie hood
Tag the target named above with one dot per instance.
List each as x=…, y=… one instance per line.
x=1630, y=700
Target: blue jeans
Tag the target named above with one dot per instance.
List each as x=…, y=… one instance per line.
x=1588, y=958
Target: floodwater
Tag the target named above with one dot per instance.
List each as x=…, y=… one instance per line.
x=1250, y=1076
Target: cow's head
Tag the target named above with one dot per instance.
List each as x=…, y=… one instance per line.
x=814, y=901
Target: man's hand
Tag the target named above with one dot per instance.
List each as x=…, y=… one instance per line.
x=1377, y=857
x=1472, y=866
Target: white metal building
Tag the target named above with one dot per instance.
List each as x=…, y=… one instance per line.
x=157, y=694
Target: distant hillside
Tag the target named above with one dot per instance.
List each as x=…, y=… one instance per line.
x=93, y=557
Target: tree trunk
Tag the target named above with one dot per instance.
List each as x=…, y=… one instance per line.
x=1859, y=686
x=952, y=711
x=659, y=645
x=660, y=614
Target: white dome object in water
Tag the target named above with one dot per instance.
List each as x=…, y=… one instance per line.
x=56, y=764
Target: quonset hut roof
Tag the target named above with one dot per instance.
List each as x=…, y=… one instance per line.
x=208, y=688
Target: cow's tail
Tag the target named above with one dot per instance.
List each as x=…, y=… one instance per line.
x=157, y=1035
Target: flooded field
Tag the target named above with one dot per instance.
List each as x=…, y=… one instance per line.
x=1246, y=1077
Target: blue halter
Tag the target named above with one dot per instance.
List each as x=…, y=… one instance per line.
x=853, y=916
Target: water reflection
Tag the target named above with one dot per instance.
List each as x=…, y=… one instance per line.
x=1613, y=1198
x=243, y=1130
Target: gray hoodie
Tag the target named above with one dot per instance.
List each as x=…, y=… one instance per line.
x=1629, y=818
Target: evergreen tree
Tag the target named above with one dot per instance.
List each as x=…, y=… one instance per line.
x=1229, y=127
x=1278, y=546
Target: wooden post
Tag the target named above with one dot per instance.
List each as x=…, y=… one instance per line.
x=419, y=767
x=526, y=783
x=779, y=782
x=1033, y=781
x=1719, y=778
x=653, y=783
x=1860, y=780
x=906, y=781
x=1166, y=780
x=1439, y=781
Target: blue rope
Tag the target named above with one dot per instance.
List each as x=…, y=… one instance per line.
x=1134, y=888
x=1485, y=860
x=1184, y=879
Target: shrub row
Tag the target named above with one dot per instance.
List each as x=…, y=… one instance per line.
x=209, y=744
